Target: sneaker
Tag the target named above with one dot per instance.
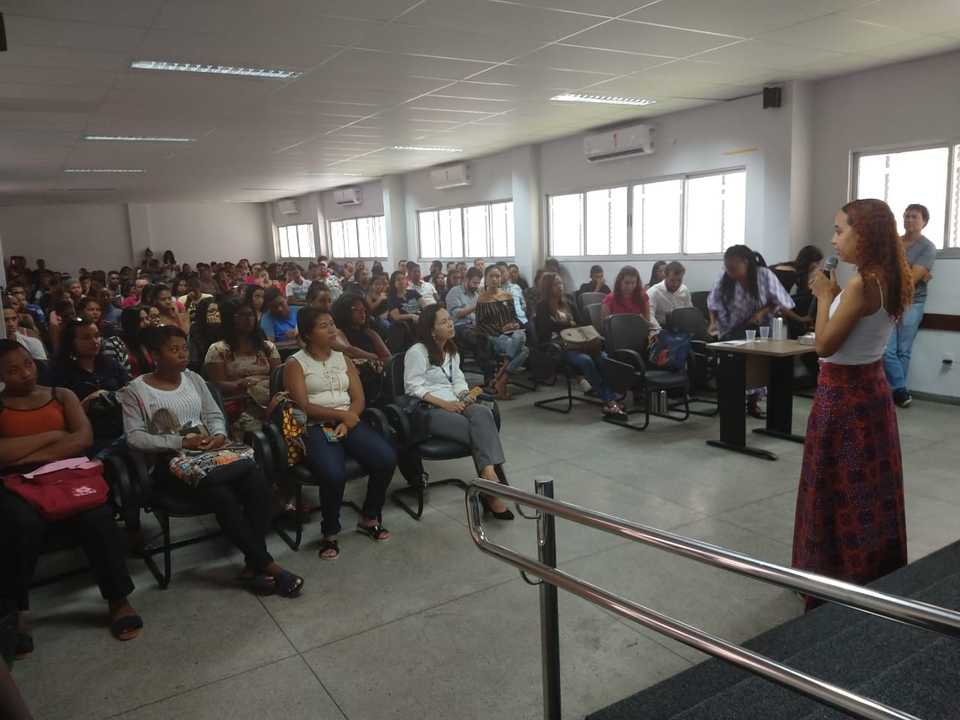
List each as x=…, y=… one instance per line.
x=584, y=386
x=902, y=398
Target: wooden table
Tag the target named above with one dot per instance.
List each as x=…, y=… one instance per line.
x=733, y=359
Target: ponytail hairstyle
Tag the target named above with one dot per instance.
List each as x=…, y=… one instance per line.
x=728, y=285
x=880, y=253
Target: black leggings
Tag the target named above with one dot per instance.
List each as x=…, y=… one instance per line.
x=23, y=534
x=240, y=496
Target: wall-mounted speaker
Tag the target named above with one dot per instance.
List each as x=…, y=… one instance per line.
x=772, y=97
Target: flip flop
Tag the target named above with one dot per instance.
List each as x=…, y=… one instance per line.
x=126, y=624
x=375, y=532
x=326, y=545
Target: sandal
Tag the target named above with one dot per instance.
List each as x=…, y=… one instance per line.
x=329, y=546
x=612, y=409
x=259, y=584
x=127, y=627
x=375, y=532
x=288, y=585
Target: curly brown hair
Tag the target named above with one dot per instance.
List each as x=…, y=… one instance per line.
x=880, y=252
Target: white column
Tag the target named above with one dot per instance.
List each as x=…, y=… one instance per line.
x=801, y=169
x=395, y=221
x=525, y=162
x=139, y=217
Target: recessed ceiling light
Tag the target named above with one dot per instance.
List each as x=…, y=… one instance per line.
x=137, y=138
x=273, y=73
x=604, y=99
x=422, y=148
x=103, y=170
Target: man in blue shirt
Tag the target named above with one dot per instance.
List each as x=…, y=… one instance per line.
x=921, y=254
x=279, y=322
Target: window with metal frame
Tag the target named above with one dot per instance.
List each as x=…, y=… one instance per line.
x=364, y=237
x=296, y=241
x=477, y=230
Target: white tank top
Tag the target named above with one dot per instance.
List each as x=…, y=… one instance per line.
x=868, y=339
x=327, y=381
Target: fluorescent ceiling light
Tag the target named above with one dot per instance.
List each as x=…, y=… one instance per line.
x=137, y=138
x=103, y=170
x=604, y=99
x=420, y=148
x=274, y=73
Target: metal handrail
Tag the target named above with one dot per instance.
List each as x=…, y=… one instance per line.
x=911, y=612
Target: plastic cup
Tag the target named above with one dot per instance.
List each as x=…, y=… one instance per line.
x=764, y=332
x=751, y=335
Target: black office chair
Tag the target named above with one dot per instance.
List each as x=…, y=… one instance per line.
x=594, y=313
x=627, y=342
x=699, y=300
x=296, y=476
x=701, y=365
x=414, y=448
x=170, y=500
x=590, y=298
x=553, y=355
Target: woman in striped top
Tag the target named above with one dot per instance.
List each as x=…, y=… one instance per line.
x=497, y=320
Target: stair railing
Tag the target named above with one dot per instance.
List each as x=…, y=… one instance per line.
x=911, y=612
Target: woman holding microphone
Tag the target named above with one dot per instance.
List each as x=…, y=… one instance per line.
x=850, y=522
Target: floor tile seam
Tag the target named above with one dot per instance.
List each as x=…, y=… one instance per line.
x=407, y=616
x=656, y=638
x=201, y=686
x=751, y=531
x=325, y=688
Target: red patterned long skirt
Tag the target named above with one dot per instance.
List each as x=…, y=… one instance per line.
x=850, y=522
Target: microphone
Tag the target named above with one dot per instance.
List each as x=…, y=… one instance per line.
x=830, y=265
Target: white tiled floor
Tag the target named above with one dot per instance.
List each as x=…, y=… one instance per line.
x=428, y=627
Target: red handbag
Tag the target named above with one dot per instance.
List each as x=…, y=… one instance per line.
x=62, y=493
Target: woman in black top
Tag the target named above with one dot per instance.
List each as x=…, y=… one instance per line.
x=555, y=314
x=364, y=346
x=794, y=276
x=134, y=323
x=94, y=378
x=205, y=330
x=657, y=273
x=403, y=311
x=497, y=320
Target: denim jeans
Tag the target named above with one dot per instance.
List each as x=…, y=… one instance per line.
x=896, y=359
x=513, y=347
x=586, y=366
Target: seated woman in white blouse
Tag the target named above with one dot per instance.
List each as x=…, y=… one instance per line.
x=431, y=372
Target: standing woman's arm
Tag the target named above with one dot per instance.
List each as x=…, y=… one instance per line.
x=831, y=332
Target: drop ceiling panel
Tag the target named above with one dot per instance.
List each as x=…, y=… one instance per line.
x=118, y=12
x=738, y=17
x=63, y=58
x=23, y=30
x=572, y=57
x=769, y=54
x=543, y=81
x=840, y=35
x=913, y=48
x=371, y=62
x=404, y=38
x=922, y=16
x=701, y=72
x=650, y=39
x=605, y=8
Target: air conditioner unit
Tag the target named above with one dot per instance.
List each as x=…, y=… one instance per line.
x=619, y=143
x=288, y=207
x=450, y=176
x=348, y=196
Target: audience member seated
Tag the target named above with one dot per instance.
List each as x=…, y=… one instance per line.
x=171, y=410
x=516, y=277
x=171, y=312
x=629, y=298
x=240, y=366
x=461, y=303
x=375, y=298
x=279, y=321
x=403, y=303
x=206, y=329
x=324, y=383
x=362, y=344
x=11, y=321
x=254, y=294
x=297, y=286
x=39, y=425
x=497, y=320
x=134, y=356
x=94, y=378
x=669, y=294
x=426, y=290
x=555, y=314
x=438, y=279
x=136, y=291
x=192, y=297
x=18, y=293
x=745, y=295
x=519, y=303
x=431, y=372
x=597, y=283
x=64, y=310
x=657, y=272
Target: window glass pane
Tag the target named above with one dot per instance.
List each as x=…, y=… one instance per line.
x=429, y=237
x=380, y=248
x=370, y=236
x=566, y=224
x=656, y=217
x=501, y=230
x=475, y=231
x=704, y=221
x=734, y=208
x=911, y=176
x=305, y=237
x=451, y=232
x=350, y=238
x=955, y=200
x=284, y=242
x=607, y=222
x=337, y=241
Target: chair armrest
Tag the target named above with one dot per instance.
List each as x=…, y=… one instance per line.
x=631, y=357
x=398, y=421
x=378, y=421
x=621, y=376
x=262, y=452
x=278, y=445
x=117, y=475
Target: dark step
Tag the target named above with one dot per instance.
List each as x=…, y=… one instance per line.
x=837, y=630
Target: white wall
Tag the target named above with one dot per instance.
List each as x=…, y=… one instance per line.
x=68, y=237
x=904, y=104
x=198, y=232
x=372, y=203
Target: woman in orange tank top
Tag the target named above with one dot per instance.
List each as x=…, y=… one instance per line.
x=39, y=425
